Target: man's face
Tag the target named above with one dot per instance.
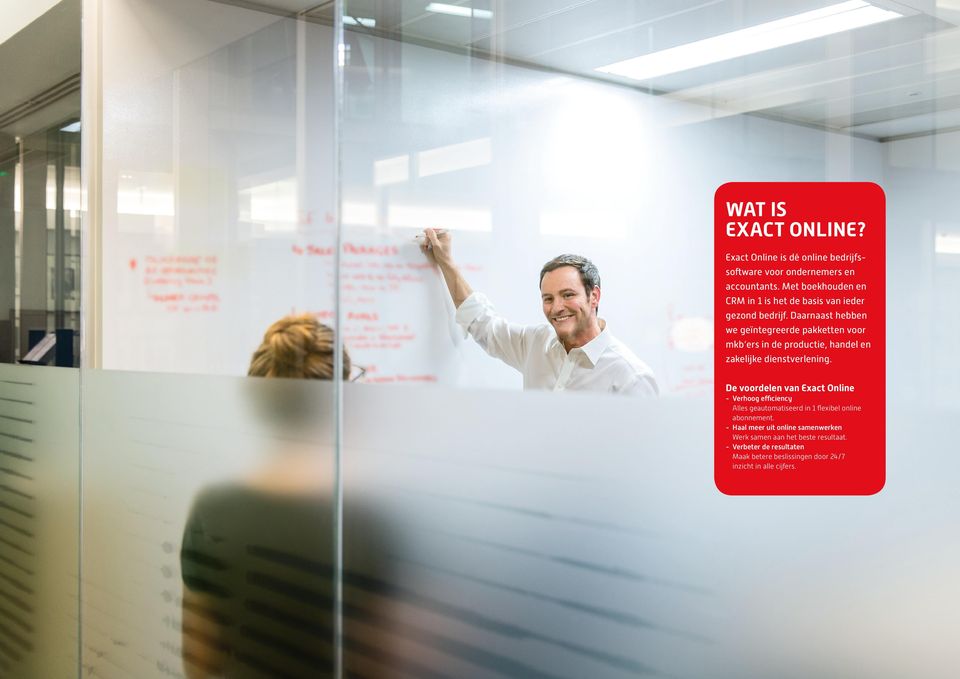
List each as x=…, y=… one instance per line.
x=568, y=307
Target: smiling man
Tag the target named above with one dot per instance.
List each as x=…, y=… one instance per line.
x=573, y=351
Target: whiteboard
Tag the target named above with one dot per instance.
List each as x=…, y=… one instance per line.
x=222, y=202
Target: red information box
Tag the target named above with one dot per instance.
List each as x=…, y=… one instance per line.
x=799, y=304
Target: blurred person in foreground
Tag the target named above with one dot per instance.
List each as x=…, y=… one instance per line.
x=258, y=553
x=572, y=351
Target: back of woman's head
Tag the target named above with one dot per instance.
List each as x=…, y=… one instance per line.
x=297, y=346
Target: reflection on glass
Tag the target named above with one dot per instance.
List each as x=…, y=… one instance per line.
x=146, y=194
x=391, y=170
x=454, y=157
x=272, y=204
x=40, y=236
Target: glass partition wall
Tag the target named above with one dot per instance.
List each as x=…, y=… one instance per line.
x=574, y=535
x=282, y=455
x=210, y=514
x=41, y=254
x=40, y=212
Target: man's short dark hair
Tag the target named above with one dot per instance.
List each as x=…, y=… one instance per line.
x=589, y=275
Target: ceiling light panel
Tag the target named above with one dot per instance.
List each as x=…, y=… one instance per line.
x=458, y=10
x=790, y=30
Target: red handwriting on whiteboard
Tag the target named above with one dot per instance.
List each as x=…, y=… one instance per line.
x=363, y=316
x=395, y=336
x=393, y=379
x=323, y=314
x=347, y=249
x=182, y=283
x=382, y=250
x=364, y=330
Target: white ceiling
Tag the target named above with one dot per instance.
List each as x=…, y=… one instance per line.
x=15, y=15
x=884, y=81
x=38, y=70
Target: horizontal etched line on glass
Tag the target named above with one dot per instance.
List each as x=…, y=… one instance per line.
x=18, y=529
x=4, y=506
x=16, y=584
x=16, y=601
x=20, y=567
x=10, y=616
x=609, y=614
x=604, y=569
x=14, y=472
x=14, y=546
x=16, y=491
x=16, y=437
x=525, y=511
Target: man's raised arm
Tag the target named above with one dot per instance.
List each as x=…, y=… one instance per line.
x=436, y=245
x=477, y=317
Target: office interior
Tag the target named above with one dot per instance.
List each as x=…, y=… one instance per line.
x=176, y=175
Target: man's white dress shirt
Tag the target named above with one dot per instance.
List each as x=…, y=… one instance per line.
x=602, y=364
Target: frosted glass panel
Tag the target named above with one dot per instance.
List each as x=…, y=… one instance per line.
x=209, y=543
x=537, y=535
x=531, y=535
x=566, y=536
x=222, y=486
x=39, y=521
